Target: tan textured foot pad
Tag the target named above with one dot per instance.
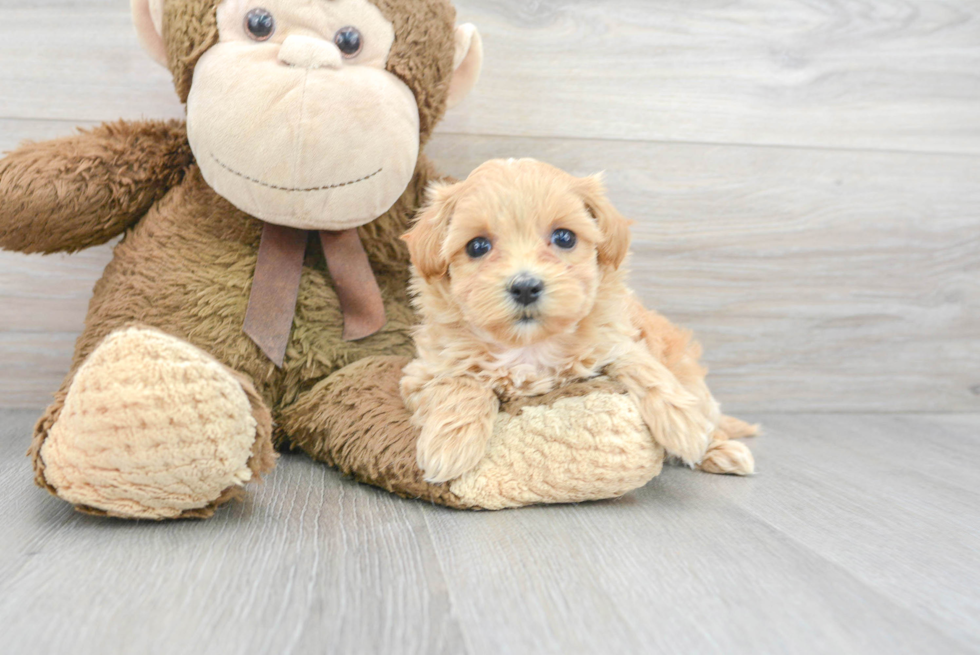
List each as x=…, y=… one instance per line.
x=586, y=442
x=151, y=428
x=589, y=447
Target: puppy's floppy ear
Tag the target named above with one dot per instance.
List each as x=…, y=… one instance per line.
x=614, y=226
x=426, y=238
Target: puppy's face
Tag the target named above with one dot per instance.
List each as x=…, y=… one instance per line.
x=522, y=247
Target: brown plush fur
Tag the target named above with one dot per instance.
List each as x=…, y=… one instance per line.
x=355, y=420
x=186, y=269
x=83, y=190
x=190, y=28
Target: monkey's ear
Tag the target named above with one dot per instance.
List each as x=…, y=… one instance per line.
x=615, y=227
x=426, y=238
x=148, y=19
x=467, y=64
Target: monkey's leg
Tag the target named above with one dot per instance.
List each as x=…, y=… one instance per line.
x=150, y=427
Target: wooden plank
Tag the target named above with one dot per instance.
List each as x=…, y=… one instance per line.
x=841, y=74
x=892, y=500
x=661, y=573
x=848, y=541
x=309, y=564
x=80, y=64
x=33, y=366
x=816, y=74
x=827, y=281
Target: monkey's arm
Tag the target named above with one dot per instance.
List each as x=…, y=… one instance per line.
x=83, y=190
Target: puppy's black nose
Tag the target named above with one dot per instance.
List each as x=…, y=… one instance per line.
x=526, y=290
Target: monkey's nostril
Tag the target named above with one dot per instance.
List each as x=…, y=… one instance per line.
x=526, y=290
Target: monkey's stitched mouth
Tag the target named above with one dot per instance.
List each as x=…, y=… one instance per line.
x=291, y=189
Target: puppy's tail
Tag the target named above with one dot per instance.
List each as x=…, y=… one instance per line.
x=733, y=428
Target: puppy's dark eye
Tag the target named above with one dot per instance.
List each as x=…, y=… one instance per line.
x=349, y=41
x=259, y=24
x=479, y=247
x=564, y=239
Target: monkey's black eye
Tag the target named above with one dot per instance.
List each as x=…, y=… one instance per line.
x=349, y=41
x=479, y=247
x=564, y=239
x=259, y=24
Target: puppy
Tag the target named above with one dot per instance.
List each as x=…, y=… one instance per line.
x=520, y=285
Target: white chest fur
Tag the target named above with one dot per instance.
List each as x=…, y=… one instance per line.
x=536, y=369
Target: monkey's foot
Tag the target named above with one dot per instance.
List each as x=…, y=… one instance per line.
x=154, y=428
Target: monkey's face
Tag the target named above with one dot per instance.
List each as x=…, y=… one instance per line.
x=293, y=118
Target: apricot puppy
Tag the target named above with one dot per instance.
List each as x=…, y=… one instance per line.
x=520, y=285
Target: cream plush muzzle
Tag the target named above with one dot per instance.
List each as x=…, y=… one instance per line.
x=292, y=132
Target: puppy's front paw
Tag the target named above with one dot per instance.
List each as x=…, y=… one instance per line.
x=683, y=430
x=448, y=449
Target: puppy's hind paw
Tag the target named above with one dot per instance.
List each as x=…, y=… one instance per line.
x=728, y=458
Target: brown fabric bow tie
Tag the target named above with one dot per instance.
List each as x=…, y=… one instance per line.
x=275, y=288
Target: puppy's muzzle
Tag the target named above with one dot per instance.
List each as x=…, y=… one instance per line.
x=526, y=289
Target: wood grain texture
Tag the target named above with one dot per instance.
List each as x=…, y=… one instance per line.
x=79, y=63
x=858, y=535
x=849, y=74
x=852, y=74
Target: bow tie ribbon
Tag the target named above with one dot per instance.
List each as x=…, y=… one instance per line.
x=275, y=288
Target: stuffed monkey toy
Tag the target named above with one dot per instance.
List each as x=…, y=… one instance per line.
x=258, y=298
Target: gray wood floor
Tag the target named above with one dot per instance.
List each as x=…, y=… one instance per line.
x=805, y=177
x=861, y=534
